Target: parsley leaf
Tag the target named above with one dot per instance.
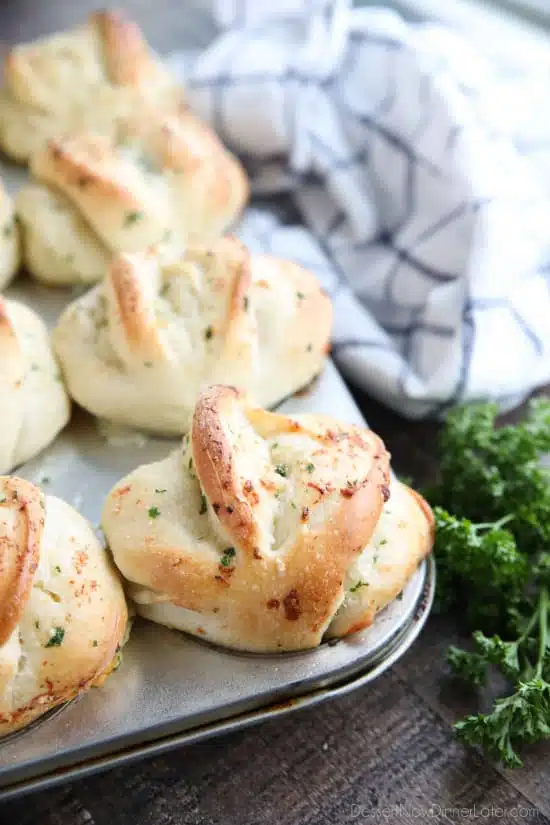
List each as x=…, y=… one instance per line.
x=132, y=218
x=227, y=557
x=56, y=639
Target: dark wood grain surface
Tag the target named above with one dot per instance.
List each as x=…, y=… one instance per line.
x=385, y=754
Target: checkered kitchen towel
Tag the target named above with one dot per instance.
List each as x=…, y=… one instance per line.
x=410, y=161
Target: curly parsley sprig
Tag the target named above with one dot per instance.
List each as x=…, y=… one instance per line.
x=492, y=511
x=523, y=717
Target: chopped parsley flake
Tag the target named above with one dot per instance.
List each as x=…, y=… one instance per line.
x=37, y=624
x=208, y=333
x=45, y=480
x=146, y=164
x=310, y=467
x=204, y=506
x=309, y=347
x=245, y=303
x=2, y=499
x=132, y=218
x=147, y=363
x=153, y=512
x=94, y=643
x=282, y=469
x=57, y=568
x=382, y=542
x=228, y=554
x=357, y=586
x=300, y=296
x=57, y=637
x=159, y=490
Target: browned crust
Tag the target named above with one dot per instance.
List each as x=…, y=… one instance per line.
x=127, y=56
x=213, y=458
x=317, y=563
x=91, y=172
x=8, y=337
x=19, y=552
x=315, y=566
x=368, y=615
x=426, y=510
x=236, y=261
x=181, y=142
x=134, y=310
x=86, y=167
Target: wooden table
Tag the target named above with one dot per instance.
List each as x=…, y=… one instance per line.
x=386, y=754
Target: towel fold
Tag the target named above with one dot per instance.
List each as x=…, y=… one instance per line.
x=422, y=198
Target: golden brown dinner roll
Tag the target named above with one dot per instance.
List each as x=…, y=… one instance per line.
x=266, y=532
x=167, y=180
x=85, y=79
x=62, y=608
x=10, y=256
x=138, y=348
x=35, y=405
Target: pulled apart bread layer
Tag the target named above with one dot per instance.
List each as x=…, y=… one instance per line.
x=139, y=348
x=35, y=405
x=62, y=607
x=82, y=79
x=10, y=254
x=165, y=179
x=266, y=532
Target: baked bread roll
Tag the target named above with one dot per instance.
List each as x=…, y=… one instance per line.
x=266, y=532
x=35, y=405
x=85, y=79
x=62, y=607
x=138, y=348
x=10, y=256
x=166, y=180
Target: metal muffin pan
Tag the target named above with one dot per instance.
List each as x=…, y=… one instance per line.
x=171, y=688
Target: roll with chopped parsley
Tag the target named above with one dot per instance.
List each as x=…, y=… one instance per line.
x=266, y=532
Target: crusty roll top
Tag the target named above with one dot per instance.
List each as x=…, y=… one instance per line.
x=21, y=528
x=35, y=405
x=141, y=346
x=54, y=71
x=164, y=178
x=258, y=532
x=62, y=608
x=126, y=55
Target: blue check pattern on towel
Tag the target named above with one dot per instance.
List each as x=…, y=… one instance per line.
x=421, y=210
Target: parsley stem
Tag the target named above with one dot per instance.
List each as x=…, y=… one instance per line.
x=530, y=624
x=543, y=630
x=494, y=525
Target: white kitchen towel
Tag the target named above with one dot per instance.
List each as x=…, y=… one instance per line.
x=409, y=159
